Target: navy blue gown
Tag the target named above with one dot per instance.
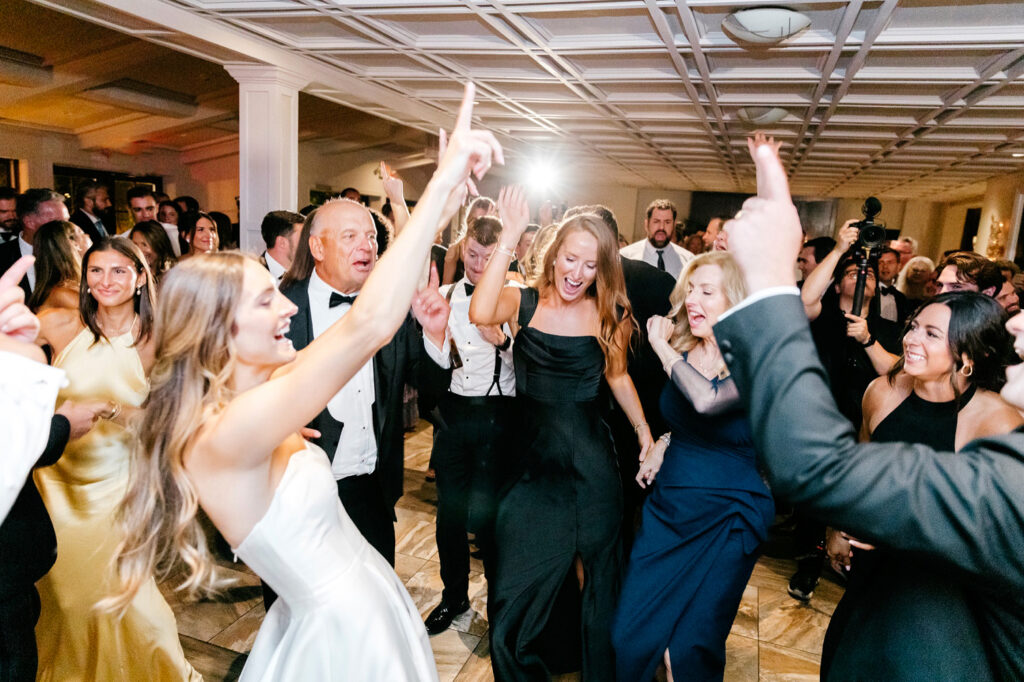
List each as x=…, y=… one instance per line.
x=567, y=502
x=698, y=542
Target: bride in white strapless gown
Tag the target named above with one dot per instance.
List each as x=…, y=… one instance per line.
x=220, y=430
x=341, y=611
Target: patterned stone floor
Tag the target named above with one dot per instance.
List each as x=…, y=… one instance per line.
x=774, y=638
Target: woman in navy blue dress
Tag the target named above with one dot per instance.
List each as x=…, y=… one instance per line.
x=710, y=510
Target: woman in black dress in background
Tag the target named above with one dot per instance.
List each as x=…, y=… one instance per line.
x=564, y=512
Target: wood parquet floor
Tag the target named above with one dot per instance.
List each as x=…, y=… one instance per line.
x=773, y=639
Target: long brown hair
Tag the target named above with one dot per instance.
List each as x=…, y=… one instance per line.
x=57, y=261
x=144, y=298
x=608, y=289
x=194, y=361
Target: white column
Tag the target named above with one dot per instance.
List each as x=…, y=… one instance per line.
x=268, y=145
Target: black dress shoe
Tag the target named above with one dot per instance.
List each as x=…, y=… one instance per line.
x=443, y=615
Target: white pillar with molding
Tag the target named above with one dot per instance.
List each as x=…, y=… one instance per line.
x=268, y=145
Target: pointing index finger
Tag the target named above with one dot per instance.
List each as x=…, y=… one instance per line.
x=13, y=276
x=466, y=109
x=772, y=183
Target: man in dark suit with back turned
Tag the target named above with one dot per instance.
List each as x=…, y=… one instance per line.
x=361, y=428
x=958, y=516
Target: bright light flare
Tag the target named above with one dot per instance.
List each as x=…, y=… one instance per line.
x=541, y=178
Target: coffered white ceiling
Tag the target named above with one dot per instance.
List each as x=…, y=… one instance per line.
x=899, y=98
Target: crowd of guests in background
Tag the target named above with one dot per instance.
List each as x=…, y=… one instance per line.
x=566, y=373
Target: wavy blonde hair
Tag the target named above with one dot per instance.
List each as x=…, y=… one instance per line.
x=733, y=287
x=608, y=289
x=194, y=361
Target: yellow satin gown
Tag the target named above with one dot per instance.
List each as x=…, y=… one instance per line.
x=82, y=492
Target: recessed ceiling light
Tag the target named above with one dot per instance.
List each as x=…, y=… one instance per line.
x=761, y=115
x=765, y=24
x=1018, y=155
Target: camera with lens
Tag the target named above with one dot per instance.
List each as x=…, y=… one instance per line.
x=868, y=247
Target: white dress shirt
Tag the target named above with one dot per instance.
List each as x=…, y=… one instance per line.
x=675, y=256
x=476, y=376
x=353, y=404
x=26, y=250
x=28, y=391
x=276, y=269
x=172, y=234
x=887, y=303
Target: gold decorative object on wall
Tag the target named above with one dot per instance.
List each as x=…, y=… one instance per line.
x=997, y=239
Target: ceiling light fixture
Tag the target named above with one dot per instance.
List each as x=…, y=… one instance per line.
x=1018, y=155
x=760, y=116
x=136, y=96
x=765, y=25
x=22, y=68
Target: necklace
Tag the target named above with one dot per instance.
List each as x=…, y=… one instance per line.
x=135, y=319
x=705, y=363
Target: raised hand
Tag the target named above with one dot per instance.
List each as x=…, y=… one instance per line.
x=394, y=188
x=514, y=212
x=848, y=235
x=466, y=151
x=765, y=237
x=431, y=310
x=659, y=328
x=16, y=320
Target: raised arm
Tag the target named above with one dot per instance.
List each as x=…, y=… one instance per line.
x=817, y=283
x=287, y=402
x=493, y=302
x=707, y=397
x=394, y=188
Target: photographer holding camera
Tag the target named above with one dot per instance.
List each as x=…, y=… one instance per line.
x=855, y=344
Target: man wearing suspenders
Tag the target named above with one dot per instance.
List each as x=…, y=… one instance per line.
x=471, y=439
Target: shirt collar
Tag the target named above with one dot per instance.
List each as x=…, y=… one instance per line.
x=276, y=269
x=321, y=290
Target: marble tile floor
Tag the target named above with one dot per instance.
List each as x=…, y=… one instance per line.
x=773, y=639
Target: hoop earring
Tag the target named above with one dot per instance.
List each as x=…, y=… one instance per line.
x=967, y=370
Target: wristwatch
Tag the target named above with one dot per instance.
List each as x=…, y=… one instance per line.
x=506, y=343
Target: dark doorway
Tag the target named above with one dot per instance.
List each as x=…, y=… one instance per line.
x=971, y=222
x=67, y=178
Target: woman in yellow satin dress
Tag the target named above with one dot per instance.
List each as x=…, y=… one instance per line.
x=105, y=347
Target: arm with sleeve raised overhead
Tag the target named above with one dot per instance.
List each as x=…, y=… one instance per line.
x=818, y=281
x=964, y=511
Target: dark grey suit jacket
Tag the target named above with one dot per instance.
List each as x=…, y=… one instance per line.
x=403, y=360
x=10, y=252
x=961, y=516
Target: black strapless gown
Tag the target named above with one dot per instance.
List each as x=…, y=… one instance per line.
x=567, y=502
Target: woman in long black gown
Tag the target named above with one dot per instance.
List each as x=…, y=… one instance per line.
x=565, y=510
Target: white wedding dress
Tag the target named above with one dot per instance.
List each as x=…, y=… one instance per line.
x=341, y=612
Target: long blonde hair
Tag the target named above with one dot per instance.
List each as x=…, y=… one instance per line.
x=733, y=287
x=194, y=361
x=608, y=288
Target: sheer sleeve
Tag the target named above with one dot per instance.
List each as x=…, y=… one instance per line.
x=708, y=397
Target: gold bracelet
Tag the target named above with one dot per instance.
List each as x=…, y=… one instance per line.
x=636, y=429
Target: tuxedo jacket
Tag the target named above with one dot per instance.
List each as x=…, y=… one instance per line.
x=10, y=252
x=85, y=222
x=27, y=540
x=958, y=517
x=402, y=361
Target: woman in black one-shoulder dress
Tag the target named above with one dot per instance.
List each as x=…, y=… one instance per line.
x=563, y=513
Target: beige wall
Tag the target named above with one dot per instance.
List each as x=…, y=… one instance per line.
x=997, y=204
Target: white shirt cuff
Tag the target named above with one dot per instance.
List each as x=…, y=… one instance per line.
x=759, y=296
x=441, y=356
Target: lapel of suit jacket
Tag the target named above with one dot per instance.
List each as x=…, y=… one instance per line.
x=301, y=327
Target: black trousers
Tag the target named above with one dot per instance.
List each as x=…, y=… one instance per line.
x=470, y=459
x=18, y=615
x=368, y=507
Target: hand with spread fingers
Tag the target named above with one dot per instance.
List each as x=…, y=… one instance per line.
x=514, y=212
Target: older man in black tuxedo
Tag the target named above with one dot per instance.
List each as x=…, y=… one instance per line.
x=362, y=427
x=957, y=517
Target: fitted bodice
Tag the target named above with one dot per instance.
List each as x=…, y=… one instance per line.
x=109, y=369
x=712, y=451
x=305, y=540
x=550, y=367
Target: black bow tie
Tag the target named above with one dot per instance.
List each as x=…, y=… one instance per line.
x=337, y=299
x=469, y=289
